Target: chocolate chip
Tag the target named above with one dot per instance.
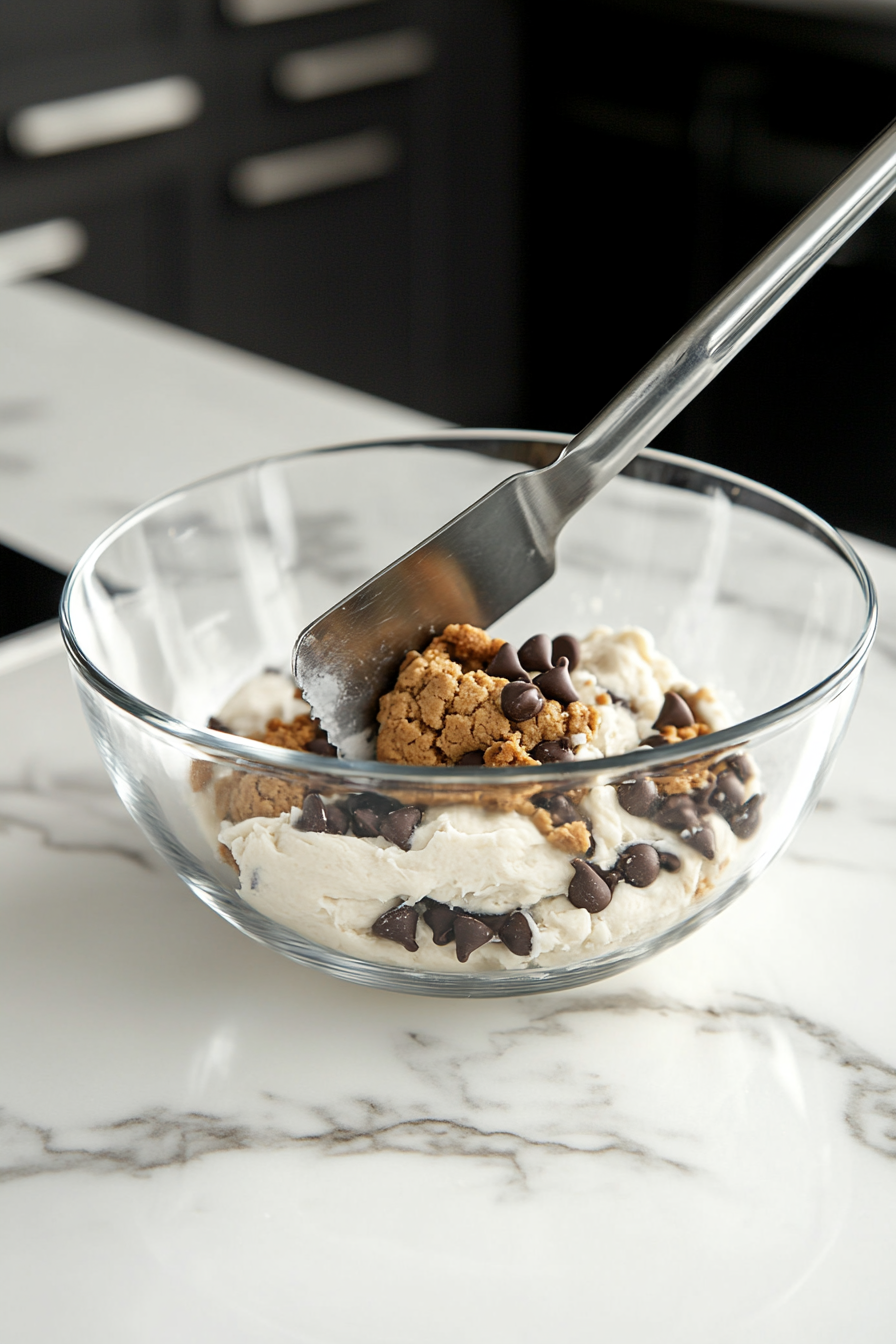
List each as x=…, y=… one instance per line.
x=469, y=933
x=516, y=934
x=320, y=746
x=675, y=712
x=314, y=816
x=399, y=926
x=556, y=685
x=495, y=922
x=535, y=654
x=568, y=647
x=702, y=839
x=670, y=863
x=521, y=701
x=365, y=822
x=561, y=810
x=742, y=766
x=337, y=819
x=440, y=919
x=637, y=796
x=553, y=753
x=617, y=699
x=609, y=875
x=507, y=664
x=729, y=793
x=677, y=812
x=745, y=822
x=380, y=804
x=217, y=726
x=655, y=741
x=588, y=890
x=470, y=758
x=398, y=827
x=639, y=865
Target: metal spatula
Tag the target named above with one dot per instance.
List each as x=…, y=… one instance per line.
x=498, y=551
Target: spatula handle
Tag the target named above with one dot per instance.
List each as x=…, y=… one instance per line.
x=712, y=338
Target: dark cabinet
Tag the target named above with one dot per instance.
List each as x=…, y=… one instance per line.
x=376, y=247
x=679, y=138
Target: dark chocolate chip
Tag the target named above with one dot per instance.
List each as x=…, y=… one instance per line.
x=568, y=647
x=639, y=865
x=535, y=654
x=655, y=741
x=617, y=699
x=542, y=800
x=337, y=819
x=702, y=839
x=745, y=822
x=553, y=753
x=469, y=933
x=471, y=758
x=365, y=822
x=677, y=812
x=742, y=766
x=320, y=746
x=440, y=919
x=507, y=664
x=314, y=816
x=217, y=726
x=609, y=875
x=588, y=890
x=670, y=863
x=516, y=934
x=398, y=827
x=495, y=922
x=637, y=796
x=556, y=685
x=380, y=804
x=675, y=712
x=521, y=701
x=399, y=926
x=562, y=810
x=729, y=793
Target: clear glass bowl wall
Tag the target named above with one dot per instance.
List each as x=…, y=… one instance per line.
x=188, y=598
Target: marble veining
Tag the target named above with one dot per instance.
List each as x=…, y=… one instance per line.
x=76, y=814
x=584, y=1120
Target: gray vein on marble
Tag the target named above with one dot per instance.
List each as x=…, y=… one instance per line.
x=455, y=1126
x=74, y=813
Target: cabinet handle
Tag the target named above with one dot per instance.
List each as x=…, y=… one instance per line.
x=247, y=12
x=306, y=171
x=106, y=117
x=41, y=249
x=345, y=66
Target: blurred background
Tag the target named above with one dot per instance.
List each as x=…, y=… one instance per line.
x=490, y=210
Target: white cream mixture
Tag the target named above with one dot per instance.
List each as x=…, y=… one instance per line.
x=332, y=888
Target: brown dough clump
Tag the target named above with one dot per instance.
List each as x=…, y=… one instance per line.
x=445, y=704
x=239, y=796
x=294, y=735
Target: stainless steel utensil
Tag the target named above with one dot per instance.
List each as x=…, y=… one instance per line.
x=485, y=561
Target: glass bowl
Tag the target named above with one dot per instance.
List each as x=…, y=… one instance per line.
x=190, y=597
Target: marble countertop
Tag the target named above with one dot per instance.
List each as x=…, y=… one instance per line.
x=203, y=1143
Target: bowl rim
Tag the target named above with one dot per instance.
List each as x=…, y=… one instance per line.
x=220, y=746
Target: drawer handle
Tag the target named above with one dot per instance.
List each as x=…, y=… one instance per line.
x=360, y=64
x=41, y=249
x=247, y=12
x=290, y=173
x=106, y=117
